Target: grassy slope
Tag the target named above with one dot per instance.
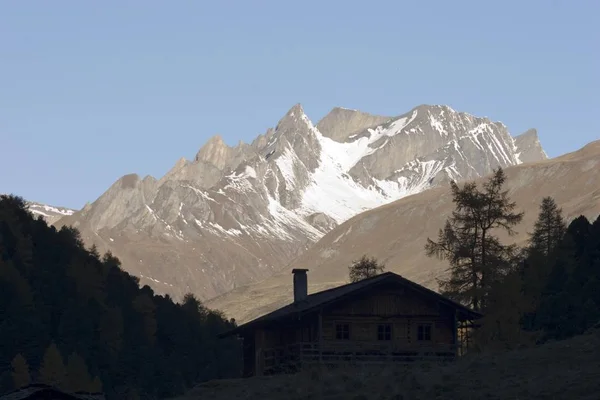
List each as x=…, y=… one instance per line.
x=567, y=370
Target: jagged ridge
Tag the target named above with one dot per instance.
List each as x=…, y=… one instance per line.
x=234, y=215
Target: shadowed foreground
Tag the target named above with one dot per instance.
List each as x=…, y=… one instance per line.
x=561, y=370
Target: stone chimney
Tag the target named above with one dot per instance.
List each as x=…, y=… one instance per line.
x=300, y=284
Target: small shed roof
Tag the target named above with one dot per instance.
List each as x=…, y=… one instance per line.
x=319, y=299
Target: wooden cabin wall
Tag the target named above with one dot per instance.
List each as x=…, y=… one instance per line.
x=280, y=335
x=404, y=329
x=249, y=354
x=291, y=332
x=388, y=301
x=405, y=310
x=260, y=345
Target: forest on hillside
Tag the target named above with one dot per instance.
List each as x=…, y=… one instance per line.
x=548, y=289
x=73, y=318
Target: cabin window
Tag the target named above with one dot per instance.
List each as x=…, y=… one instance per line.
x=424, y=332
x=384, y=332
x=342, y=331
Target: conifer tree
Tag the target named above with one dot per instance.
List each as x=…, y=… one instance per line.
x=94, y=251
x=145, y=306
x=52, y=370
x=365, y=268
x=20, y=372
x=96, y=386
x=468, y=242
x=78, y=377
x=194, y=306
x=547, y=235
x=549, y=228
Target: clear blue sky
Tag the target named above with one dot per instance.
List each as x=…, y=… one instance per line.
x=93, y=90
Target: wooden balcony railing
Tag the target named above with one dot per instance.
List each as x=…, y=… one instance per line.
x=347, y=352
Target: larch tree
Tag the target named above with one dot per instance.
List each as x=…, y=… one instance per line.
x=365, y=267
x=52, y=370
x=20, y=372
x=96, y=386
x=469, y=243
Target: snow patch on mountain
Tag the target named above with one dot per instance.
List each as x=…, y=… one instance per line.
x=49, y=213
x=331, y=190
x=285, y=163
x=46, y=211
x=282, y=219
x=240, y=182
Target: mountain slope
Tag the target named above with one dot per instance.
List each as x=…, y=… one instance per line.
x=235, y=215
x=396, y=233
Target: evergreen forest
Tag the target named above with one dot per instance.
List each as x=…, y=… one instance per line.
x=74, y=319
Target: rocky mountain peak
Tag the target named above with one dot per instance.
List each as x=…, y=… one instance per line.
x=296, y=110
x=341, y=123
x=215, y=152
x=182, y=162
x=216, y=140
x=129, y=181
x=150, y=180
x=294, y=119
x=530, y=135
x=529, y=147
x=294, y=132
x=134, y=181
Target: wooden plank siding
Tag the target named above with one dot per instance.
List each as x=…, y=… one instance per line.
x=403, y=310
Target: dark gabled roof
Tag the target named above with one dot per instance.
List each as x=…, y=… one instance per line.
x=39, y=389
x=319, y=299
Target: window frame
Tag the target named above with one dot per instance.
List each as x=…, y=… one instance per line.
x=345, y=333
x=384, y=332
x=422, y=330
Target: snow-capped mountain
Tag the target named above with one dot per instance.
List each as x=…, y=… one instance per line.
x=51, y=214
x=235, y=215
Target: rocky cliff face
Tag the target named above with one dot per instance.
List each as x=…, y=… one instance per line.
x=235, y=215
x=530, y=149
